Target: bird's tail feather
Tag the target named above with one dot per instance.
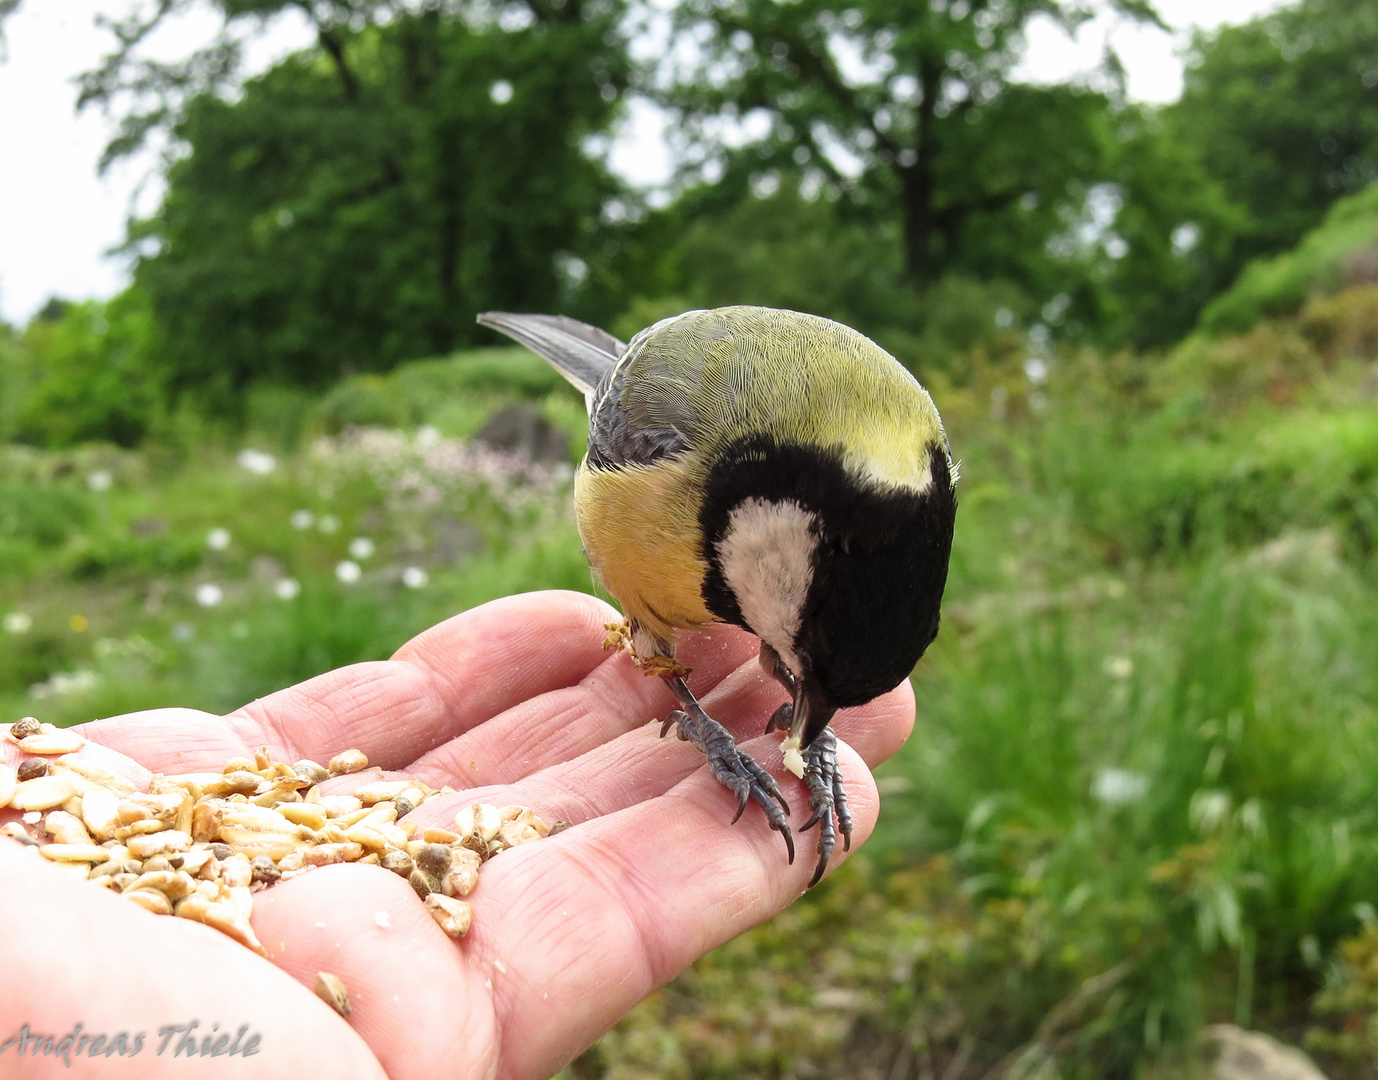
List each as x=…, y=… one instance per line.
x=578, y=351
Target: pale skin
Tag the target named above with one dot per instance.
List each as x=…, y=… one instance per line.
x=513, y=702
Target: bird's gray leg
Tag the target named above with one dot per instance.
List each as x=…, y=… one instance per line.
x=827, y=799
x=734, y=768
x=827, y=796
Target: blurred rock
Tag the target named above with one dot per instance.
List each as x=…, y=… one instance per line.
x=267, y=568
x=1251, y=1055
x=520, y=429
x=148, y=526
x=455, y=539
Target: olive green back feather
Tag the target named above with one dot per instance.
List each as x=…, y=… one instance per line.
x=711, y=377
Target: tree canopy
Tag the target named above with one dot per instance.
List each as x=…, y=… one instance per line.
x=1283, y=113
x=360, y=202
x=875, y=161
x=910, y=106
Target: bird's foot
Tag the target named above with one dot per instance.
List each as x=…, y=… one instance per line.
x=827, y=800
x=666, y=667
x=734, y=768
x=619, y=637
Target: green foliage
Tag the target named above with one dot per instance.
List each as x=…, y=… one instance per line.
x=1341, y=251
x=945, y=141
x=1283, y=113
x=1346, y=1038
x=1173, y=225
x=359, y=203
x=82, y=373
x=127, y=584
x=43, y=516
x=784, y=250
x=454, y=395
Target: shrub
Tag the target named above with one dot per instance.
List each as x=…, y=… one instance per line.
x=1341, y=251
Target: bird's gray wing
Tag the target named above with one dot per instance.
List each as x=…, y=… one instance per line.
x=645, y=409
x=583, y=354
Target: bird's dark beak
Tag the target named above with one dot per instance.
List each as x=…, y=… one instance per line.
x=812, y=712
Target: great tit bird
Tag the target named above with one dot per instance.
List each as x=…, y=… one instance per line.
x=774, y=470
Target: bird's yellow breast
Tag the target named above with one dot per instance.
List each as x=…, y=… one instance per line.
x=640, y=528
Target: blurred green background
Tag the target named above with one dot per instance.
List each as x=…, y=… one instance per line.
x=1140, y=795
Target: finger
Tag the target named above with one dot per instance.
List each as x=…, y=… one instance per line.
x=602, y=914
x=77, y=954
x=613, y=698
x=421, y=1009
x=451, y=678
x=170, y=740
x=639, y=765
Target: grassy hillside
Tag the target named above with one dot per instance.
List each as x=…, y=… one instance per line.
x=1342, y=251
x=212, y=575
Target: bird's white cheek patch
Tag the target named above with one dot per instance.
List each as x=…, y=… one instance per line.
x=766, y=557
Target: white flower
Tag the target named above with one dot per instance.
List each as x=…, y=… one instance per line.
x=17, y=622
x=361, y=547
x=329, y=524
x=256, y=461
x=1119, y=667
x=62, y=682
x=413, y=577
x=1208, y=810
x=208, y=595
x=427, y=436
x=218, y=539
x=287, y=588
x=347, y=570
x=1119, y=787
x=302, y=519
x=100, y=480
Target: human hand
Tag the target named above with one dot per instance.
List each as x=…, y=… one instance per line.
x=513, y=702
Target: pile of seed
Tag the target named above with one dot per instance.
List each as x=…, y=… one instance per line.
x=199, y=845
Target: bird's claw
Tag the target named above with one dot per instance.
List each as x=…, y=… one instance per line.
x=735, y=769
x=780, y=718
x=827, y=800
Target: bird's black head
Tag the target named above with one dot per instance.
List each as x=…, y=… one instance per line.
x=842, y=578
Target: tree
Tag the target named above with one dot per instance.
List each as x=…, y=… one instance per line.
x=1171, y=226
x=80, y=373
x=911, y=106
x=1283, y=113
x=357, y=204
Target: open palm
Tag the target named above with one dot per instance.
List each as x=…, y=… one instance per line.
x=513, y=702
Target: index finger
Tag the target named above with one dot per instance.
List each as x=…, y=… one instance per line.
x=440, y=684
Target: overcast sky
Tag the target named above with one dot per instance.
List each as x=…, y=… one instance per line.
x=57, y=218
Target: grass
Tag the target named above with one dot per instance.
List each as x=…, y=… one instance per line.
x=214, y=584
x=1139, y=795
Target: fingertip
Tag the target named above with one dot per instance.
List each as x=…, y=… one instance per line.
x=881, y=727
